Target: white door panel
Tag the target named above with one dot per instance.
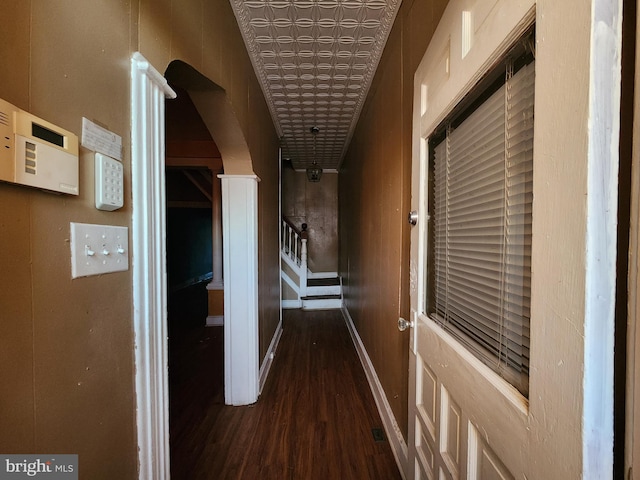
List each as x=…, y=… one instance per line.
x=482, y=462
x=452, y=386
x=450, y=433
x=465, y=421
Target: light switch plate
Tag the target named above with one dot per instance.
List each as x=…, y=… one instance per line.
x=109, y=183
x=98, y=249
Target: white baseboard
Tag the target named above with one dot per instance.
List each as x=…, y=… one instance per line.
x=394, y=434
x=268, y=359
x=289, y=281
x=215, y=285
x=322, y=304
x=289, y=304
x=215, y=320
x=322, y=274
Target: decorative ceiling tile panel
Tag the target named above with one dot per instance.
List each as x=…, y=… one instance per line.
x=315, y=60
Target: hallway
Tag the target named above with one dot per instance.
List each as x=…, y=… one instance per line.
x=314, y=419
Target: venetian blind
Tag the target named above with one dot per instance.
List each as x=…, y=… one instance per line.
x=482, y=178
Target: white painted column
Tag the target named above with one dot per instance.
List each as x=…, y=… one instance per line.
x=240, y=254
x=217, y=281
x=148, y=253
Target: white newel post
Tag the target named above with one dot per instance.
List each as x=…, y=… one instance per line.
x=240, y=254
x=303, y=268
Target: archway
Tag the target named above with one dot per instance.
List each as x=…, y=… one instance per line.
x=239, y=232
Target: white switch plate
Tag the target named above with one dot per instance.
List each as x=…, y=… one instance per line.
x=97, y=249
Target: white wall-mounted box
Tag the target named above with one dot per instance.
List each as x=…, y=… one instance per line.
x=37, y=153
x=109, y=174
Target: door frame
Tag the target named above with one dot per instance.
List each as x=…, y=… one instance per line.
x=149, y=89
x=632, y=410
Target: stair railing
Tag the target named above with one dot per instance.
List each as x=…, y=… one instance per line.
x=294, y=245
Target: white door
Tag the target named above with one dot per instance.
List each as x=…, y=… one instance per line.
x=551, y=417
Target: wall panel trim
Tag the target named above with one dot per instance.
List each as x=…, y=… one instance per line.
x=148, y=259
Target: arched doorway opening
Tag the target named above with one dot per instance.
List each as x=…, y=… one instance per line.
x=239, y=187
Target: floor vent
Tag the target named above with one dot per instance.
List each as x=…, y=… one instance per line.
x=378, y=435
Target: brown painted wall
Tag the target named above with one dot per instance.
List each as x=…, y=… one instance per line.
x=66, y=346
x=315, y=204
x=375, y=195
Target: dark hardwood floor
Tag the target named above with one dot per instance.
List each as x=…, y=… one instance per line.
x=313, y=420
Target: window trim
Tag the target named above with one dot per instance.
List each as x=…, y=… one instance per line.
x=520, y=55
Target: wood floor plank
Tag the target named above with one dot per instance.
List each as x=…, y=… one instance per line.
x=313, y=420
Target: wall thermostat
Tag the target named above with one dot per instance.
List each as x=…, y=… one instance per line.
x=37, y=153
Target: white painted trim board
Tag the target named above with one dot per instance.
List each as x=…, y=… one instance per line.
x=215, y=321
x=267, y=362
x=148, y=253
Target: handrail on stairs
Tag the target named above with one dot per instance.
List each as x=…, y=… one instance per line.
x=294, y=241
x=294, y=245
x=292, y=225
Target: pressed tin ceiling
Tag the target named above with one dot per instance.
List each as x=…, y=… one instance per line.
x=315, y=60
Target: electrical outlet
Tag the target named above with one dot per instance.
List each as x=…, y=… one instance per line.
x=98, y=249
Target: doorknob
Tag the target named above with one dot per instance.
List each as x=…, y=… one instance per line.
x=413, y=218
x=403, y=324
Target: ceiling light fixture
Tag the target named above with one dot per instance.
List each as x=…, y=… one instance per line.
x=314, y=172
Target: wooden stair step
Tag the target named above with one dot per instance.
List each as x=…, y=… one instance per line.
x=323, y=282
x=322, y=297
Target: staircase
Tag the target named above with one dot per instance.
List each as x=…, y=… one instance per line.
x=302, y=288
x=322, y=293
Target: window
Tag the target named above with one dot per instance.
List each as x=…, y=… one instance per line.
x=480, y=181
